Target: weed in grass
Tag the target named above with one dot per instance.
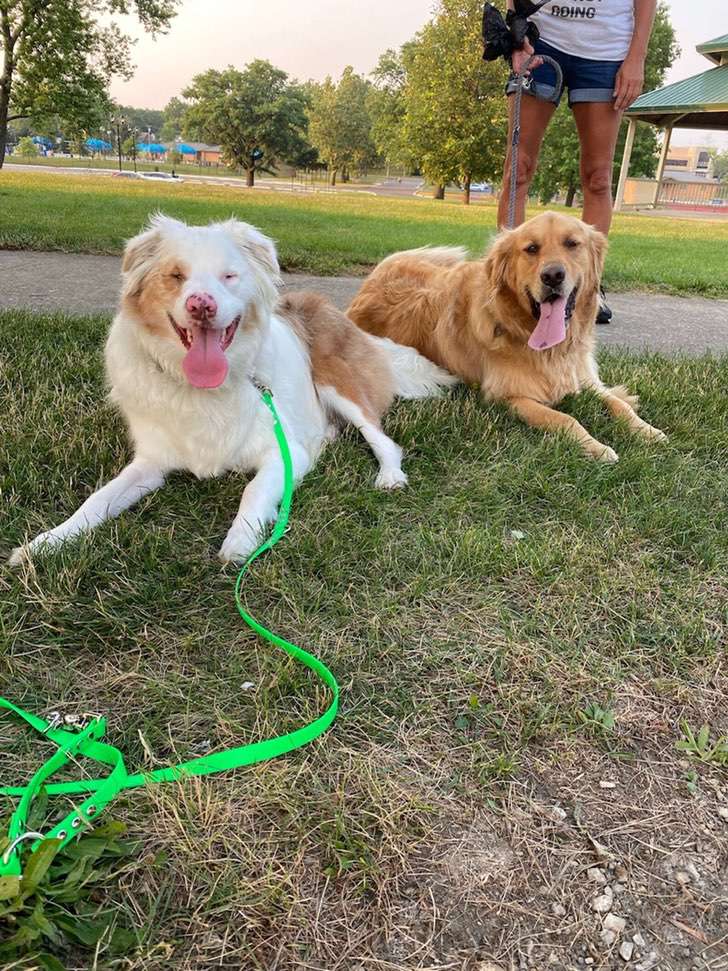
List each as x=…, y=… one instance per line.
x=701, y=746
x=59, y=904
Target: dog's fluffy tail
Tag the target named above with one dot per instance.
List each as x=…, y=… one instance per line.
x=414, y=375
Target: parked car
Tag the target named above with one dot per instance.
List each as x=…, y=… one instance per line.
x=482, y=187
x=161, y=176
x=125, y=175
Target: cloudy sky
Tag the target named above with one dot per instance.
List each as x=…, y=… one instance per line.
x=320, y=37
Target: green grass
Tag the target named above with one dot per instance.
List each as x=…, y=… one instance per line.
x=473, y=665
x=332, y=234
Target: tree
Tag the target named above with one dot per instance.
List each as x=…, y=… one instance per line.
x=455, y=111
x=173, y=119
x=27, y=148
x=386, y=107
x=720, y=165
x=558, y=167
x=58, y=56
x=256, y=115
x=340, y=128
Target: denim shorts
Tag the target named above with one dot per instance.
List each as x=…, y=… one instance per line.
x=586, y=80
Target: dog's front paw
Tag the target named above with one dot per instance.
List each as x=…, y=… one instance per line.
x=43, y=543
x=603, y=453
x=19, y=556
x=391, y=479
x=239, y=543
x=650, y=433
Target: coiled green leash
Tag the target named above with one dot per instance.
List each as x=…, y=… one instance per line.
x=81, y=737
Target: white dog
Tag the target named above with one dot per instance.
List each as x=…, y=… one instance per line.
x=198, y=331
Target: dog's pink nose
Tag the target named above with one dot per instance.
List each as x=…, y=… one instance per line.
x=201, y=306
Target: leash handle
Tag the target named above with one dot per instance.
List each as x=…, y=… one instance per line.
x=86, y=741
x=523, y=83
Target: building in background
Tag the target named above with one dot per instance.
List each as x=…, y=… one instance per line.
x=695, y=160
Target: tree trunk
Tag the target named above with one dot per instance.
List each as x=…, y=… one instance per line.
x=439, y=192
x=466, y=191
x=5, y=82
x=332, y=179
x=250, y=178
x=570, y=193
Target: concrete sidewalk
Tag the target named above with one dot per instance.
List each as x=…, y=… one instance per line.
x=82, y=284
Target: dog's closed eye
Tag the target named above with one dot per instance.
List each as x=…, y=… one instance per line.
x=571, y=243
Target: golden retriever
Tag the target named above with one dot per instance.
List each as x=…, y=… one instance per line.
x=519, y=321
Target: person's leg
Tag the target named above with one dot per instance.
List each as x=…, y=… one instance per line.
x=598, y=126
x=535, y=117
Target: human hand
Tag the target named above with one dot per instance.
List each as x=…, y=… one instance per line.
x=630, y=81
x=519, y=59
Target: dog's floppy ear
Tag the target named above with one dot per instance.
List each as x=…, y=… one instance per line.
x=139, y=256
x=598, y=245
x=141, y=252
x=498, y=257
x=255, y=245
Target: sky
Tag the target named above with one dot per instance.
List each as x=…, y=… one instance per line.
x=320, y=37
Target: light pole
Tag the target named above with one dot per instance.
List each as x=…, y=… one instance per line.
x=118, y=122
x=133, y=146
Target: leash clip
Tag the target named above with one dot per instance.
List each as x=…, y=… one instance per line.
x=16, y=842
x=72, y=722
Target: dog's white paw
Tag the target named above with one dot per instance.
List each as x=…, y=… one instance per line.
x=19, y=556
x=239, y=544
x=607, y=455
x=391, y=479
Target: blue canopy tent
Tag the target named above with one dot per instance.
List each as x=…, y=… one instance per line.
x=98, y=145
x=185, y=149
x=151, y=148
x=42, y=140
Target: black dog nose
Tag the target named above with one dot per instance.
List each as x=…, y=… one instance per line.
x=553, y=275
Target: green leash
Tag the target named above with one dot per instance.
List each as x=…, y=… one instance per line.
x=76, y=737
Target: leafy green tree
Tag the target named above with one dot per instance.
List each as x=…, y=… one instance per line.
x=58, y=56
x=173, y=119
x=387, y=108
x=340, y=128
x=455, y=111
x=27, y=148
x=720, y=165
x=257, y=115
x=558, y=167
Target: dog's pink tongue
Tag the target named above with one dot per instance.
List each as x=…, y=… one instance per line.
x=551, y=327
x=205, y=363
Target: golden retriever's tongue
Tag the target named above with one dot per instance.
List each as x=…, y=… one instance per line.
x=205, y=363
x=551, y=327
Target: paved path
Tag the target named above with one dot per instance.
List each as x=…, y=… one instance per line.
x=83, y=284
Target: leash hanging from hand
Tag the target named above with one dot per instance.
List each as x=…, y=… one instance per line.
x=75, y=737
x=523, y=83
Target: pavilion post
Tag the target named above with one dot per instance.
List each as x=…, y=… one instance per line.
x=661, y=166
x=626, y=158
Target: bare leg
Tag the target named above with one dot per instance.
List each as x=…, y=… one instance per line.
x=622, y=405
x=541, y=416
x=259, y=504
x=387, y=452
x=535, y=116
x=598, y=126
x=138, y=479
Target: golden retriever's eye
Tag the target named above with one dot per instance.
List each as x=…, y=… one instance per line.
x=177, y=275
x=571, y=243
x=532, y=249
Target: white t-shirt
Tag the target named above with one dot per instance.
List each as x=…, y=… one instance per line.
x=600, y=30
